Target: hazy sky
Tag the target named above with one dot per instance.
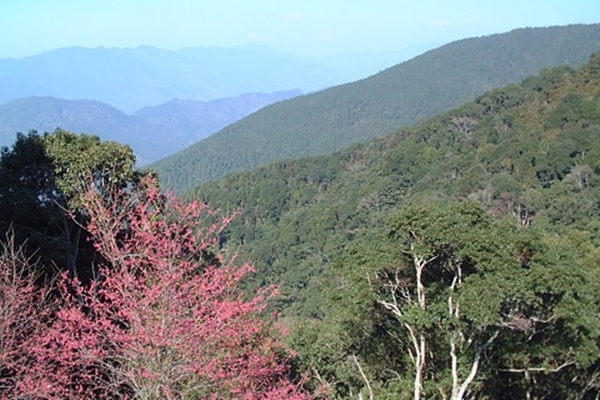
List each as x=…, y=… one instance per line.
x=308, y=27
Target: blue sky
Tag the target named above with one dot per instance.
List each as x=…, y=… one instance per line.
x=307, y=27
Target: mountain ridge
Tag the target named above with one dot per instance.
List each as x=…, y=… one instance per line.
x=132, y=78
x=332, y=119
x=153, y=132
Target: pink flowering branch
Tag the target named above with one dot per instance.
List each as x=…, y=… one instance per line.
x=164, y=317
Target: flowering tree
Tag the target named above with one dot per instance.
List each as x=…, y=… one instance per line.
x=23, y=310
x=163, y=318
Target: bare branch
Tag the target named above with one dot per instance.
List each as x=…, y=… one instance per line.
x=362, y=374
x=539, y=369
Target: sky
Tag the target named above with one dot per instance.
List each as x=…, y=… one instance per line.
x=304, y=27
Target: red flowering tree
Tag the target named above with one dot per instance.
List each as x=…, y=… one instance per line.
x=24, y=308
x=163, y=318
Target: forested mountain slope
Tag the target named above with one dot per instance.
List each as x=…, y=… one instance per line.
x=504, y=190
x=331, y=120
x=529, y=151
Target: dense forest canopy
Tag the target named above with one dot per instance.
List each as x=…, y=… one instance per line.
x=527, y=151
x=330, y=120
x=529, y=156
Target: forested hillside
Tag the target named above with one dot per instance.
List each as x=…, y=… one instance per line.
x=457, y=258
x=530, y=150
x=330, y=120
x=499, y=195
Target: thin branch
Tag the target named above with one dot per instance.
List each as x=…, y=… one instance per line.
x=538, y=369
x=371, y=395
x=321, y=380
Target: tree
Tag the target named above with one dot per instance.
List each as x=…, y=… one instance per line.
x=440, y=255
x=162, y=318
x=578, y=180
x=24, y=307
x=41, y=180
x=475, y=305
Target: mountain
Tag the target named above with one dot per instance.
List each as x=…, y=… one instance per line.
x=336, y=234
x=529, y=153
x=152, y=132
x=332, y=119
x=130, y=79
x=195, y=120
x=48, y=113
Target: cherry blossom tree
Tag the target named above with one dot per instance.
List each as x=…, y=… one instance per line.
x=163, y=318
x=24, y=308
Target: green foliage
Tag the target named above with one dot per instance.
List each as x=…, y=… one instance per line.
x=330, y=120
x=476, y=232
x=298, y=218
x=81, y=160
x=528, y=301
x=41, y=180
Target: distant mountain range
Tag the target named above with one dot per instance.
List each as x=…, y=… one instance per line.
x=130, y=79
x=332, y=119
x=153, y=132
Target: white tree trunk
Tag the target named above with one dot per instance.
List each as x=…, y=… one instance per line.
x=459, y=389
x=418, y=348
